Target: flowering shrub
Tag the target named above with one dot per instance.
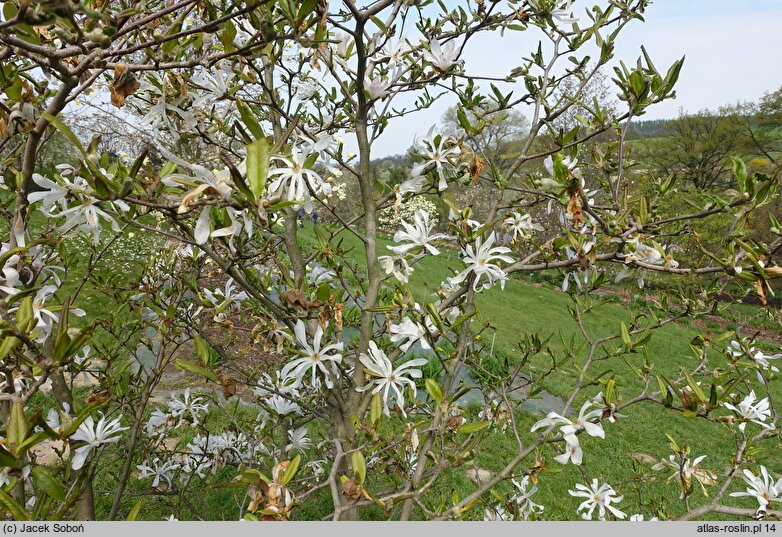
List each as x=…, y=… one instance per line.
x=390, y=218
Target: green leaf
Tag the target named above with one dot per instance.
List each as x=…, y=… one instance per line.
x=740, y=173
x=258, y=157
x=434, y=315
x=14, y=91
x=433, y=388
x=375, y=409
x=359, y=466
x=248, y=118
x=473, y=427
x=170, y=46
x=695, y=388
x=625, y=335
x=713, y=396
x=6, y=459
x=17, y=427
x=12, y=507
x=31, y=441
x=133, y=515
x=291, y=470
x=190, y=367
x=228, y=36
x=45, y=481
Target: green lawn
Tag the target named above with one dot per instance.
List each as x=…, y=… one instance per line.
x=526, y=308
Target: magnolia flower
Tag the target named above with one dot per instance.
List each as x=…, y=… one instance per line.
x=215, y=85
x=94, y=436
x=764, y=491
x=157, y=470
x=580, y=277
x=398, y=266
x=221, y=299
x=298, y=440
x=461, y=220
x=523, y=498
x=45, y=318
x=559, y=11
x=9, y=276
x=410, y=332
x=410, y=186
x=479, y=260
x=496, y=514
x=186, y=405
x=395, y=54
x=520, y=226
x=441, y=56
x=344, y=42
x=745, y=349
x=377, y=88
x=51, y=193
x=157, y=117
x=203, y=180
x=158, y=422
x=597, y=496
x=751, y=409
x=419, y=235
x=201, y=233
x=686, y=470
x=85, y=214
x=320, y=275
x=291, y=180
x=306, y=89
x=282, y=406
x=280, y=384
x=569, y=428
x=378, y=365
x=436, y=149
x=314, y=357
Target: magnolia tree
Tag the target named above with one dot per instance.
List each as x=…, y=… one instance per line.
x=251, y=110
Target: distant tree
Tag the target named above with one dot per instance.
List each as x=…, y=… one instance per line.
x=497, y=129
x=696, y=148
x=759, y=125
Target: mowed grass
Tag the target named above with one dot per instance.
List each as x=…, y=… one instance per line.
x=543, y=309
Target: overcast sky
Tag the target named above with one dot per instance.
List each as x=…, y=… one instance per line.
x=732, y=50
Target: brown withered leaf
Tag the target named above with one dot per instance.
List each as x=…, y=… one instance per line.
x=123, y=86
x=295, y=298
x=324, y=315
x=338, y=315
x=3, y=124
x=351, y=489
x=476, y=168
x=761, y=292
x=574, y=207
x=229, y=387
x=774, y=272
x=97, y=397
x=454, y=422
x=582, y=261
x=644, y=458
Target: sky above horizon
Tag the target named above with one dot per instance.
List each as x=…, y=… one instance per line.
x=730, y=48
